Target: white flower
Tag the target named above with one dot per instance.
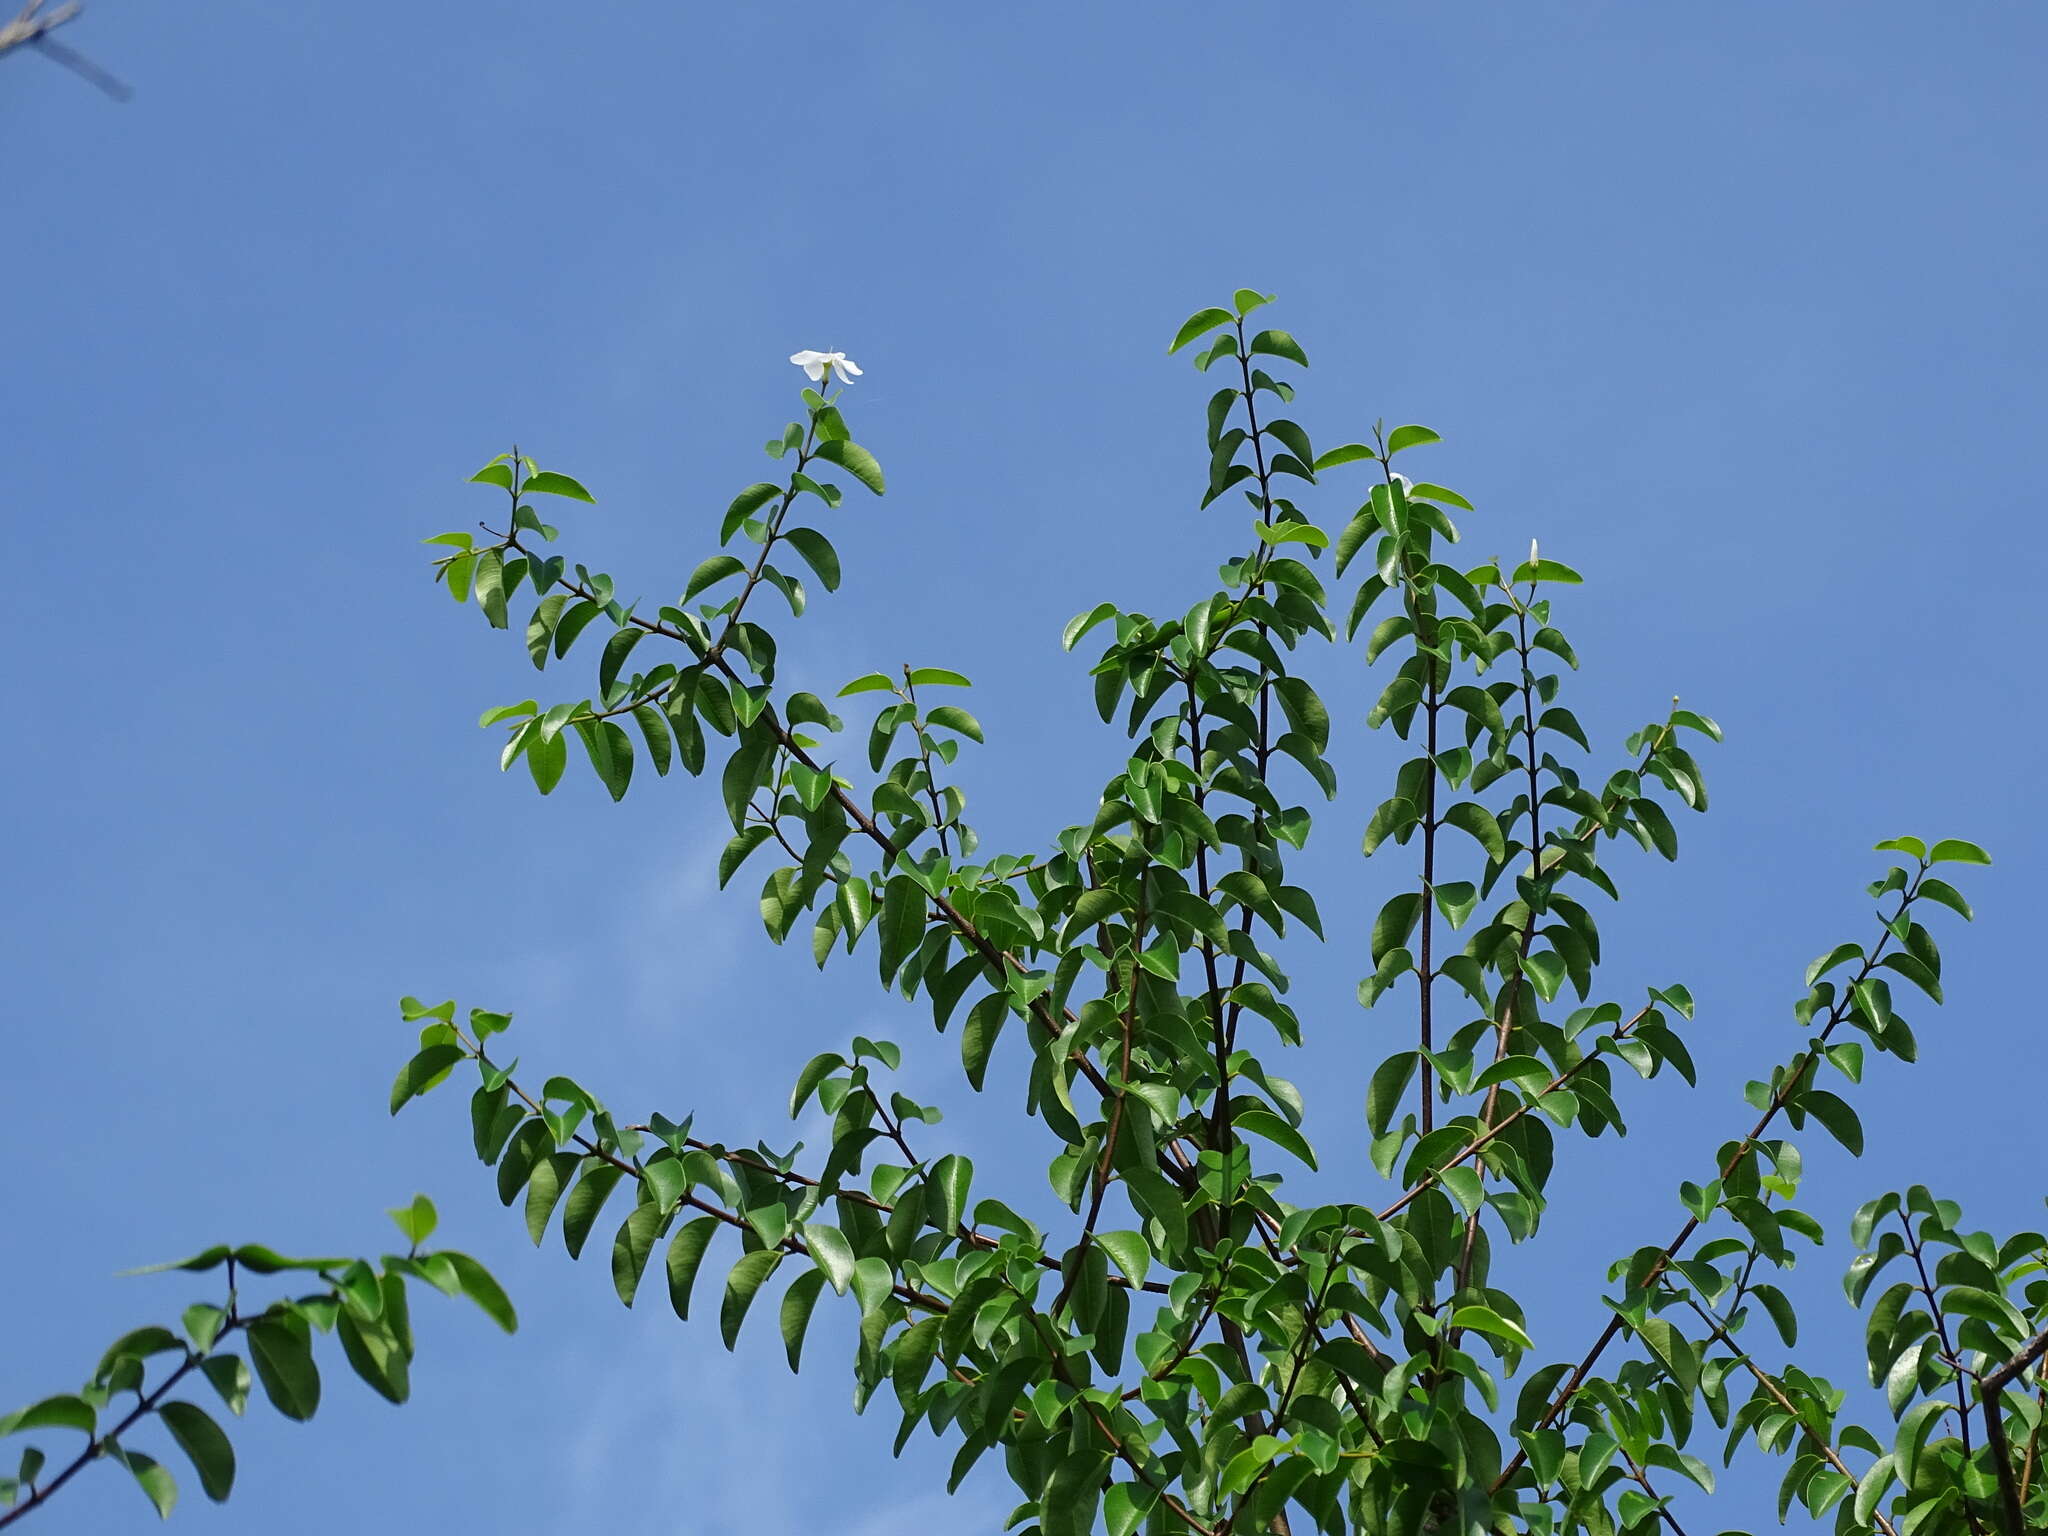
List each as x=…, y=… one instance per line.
x=816, y=365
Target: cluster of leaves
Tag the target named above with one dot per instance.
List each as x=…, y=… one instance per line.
x=1196, y=1352
x=365, y=1305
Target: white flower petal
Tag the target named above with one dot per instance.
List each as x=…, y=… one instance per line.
x=848, y=366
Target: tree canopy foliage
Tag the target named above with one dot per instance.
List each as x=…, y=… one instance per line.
x=1192, y=1351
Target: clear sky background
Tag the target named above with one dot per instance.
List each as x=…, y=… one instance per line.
x=1739, y=308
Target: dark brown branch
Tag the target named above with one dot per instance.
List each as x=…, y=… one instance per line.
x=1991, y=1392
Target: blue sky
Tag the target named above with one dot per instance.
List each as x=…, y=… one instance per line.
x=1739, y=309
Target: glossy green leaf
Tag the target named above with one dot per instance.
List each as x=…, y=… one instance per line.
x=283, y=1356
x=685, y=1256
x=1953, y=850
x=549, y=483
x=63, y=1412
x=855, y=460
x=1277, y=344
x=151, y=1476
x=1200, y=323
x=1409, y=437
x=480, y=1287
x=426, y=1069
x=741, y=1287
x=205, y=1444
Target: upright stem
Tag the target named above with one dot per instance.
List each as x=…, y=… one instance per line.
x=924, y=753
x=1219, y=1115
x=1941, y=1336
x=1426, y=977
x=1505, y=1026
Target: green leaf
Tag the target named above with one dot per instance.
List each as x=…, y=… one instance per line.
x=1456, y=899
x=63, y=1412
x=1395, y=922
x=426, y=1069
x=1200, y=323
x=1409, y=437
x=1350, y=453
x=480, y=1287
x=1262, y=1122
x=655, y=730
x=923, y=677
x=1671, y=1347
x=616, y=650
x=416, y=1222
x=205, y=1444
x=1953, y=850
x=549, y=483
x=855, y=460
x=956, y=719
x=203, y=1322
x=831, y=1252
x=1248, y=299
x=1130, y=1252
x=1545, y=570
x=740, y=1288
x=283, y=1355
x=498, y=472
x=1912, y=1436
x=490, y=587
x=1871, y=1487
x=685, y=1255
x=797, y=1304
x=1841, y=954
x=815, y=1071
x=1836, y=1115
x=1947, y=895
x=586, y=1200
x=259, y=1260
x=736, y=852
x=138, y=1344
x=1383, y=1095
x=151, y=1476
x=745, y=505
x=978, y=1036
x=902, y=922
x=869, y=683
x=951, y=1178
x=375, y=1355
x=230, y=1377
x=1078, y=626
x=1277, y=344
x=873, y=1282
x=1782, y=1316
x=1489, y=1322
x=1305, y=711
x=711, y=572
x=611, y=754
x=1464, y=1187
x=1470, y=817
x=818, y=553
x=544, y=1190
x=547, y=758
x=744, y=772
x=632, y=1248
